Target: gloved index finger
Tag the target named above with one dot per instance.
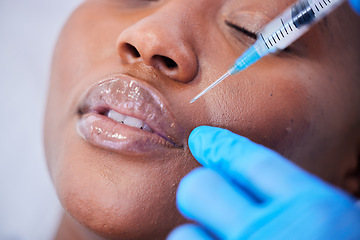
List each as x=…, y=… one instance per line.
x=254, y=167
x=355, y=4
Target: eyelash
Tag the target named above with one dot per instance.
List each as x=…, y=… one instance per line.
x=242, y=30
x=247, y=32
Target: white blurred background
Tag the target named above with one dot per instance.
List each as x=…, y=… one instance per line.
x=29, y=209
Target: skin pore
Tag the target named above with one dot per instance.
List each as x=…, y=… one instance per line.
x=303, y=103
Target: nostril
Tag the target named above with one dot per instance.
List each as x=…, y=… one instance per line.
x=168, y=62
x=130, y=50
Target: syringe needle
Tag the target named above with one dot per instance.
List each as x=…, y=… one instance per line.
x=211, y=86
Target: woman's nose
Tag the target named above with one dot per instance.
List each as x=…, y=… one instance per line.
x=163, y=42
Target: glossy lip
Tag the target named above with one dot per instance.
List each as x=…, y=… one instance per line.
x=134, y=98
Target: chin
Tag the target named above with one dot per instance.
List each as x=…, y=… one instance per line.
x=116, y=196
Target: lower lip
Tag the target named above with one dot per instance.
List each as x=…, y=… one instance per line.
x=105, y=133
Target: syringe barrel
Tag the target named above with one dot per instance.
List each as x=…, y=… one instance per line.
x=292, y=23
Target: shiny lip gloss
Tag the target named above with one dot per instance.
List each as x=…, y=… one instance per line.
x=134, y=98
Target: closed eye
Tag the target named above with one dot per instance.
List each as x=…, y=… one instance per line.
x=242, y=30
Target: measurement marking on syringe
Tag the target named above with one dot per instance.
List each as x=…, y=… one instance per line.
x=270, y=42
x=316, y=7
x=284, y=26
x=320, y=5
x=264, y=41
x=281, y=33
x=325, y=2
x=277, y=36
x=273, y=39
x=290, y=27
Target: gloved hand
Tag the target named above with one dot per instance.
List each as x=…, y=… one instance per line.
x=355, y=4
x=247, y=191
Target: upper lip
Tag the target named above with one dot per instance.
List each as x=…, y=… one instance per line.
x=132, y=97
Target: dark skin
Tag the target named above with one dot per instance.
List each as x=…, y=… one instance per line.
x=303, y=103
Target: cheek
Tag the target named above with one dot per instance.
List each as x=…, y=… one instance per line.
x=267, y=108
x=79, y=49
x=87, y=41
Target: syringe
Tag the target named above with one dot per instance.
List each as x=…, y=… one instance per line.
x=280, y=33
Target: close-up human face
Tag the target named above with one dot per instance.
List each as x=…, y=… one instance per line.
x=118, y=114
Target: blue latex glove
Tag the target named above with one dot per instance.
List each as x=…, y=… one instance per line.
x=355, y=4
x=247, y=191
